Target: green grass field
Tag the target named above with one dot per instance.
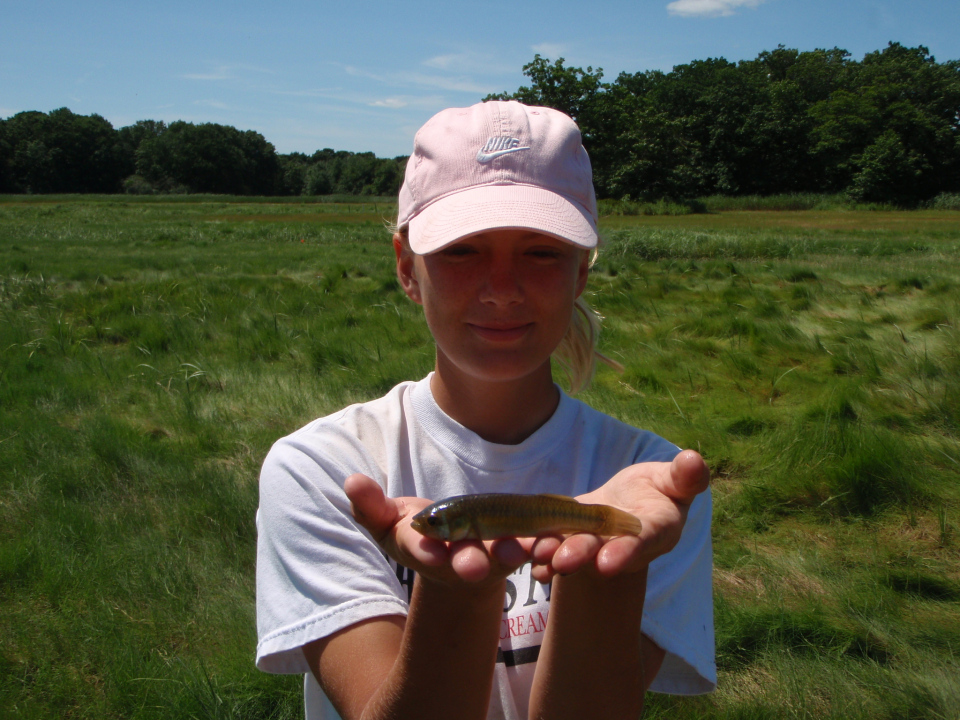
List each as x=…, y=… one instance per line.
x=151, y=351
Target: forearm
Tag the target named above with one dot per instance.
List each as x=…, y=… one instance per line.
x=590, y=664
x=447, y=655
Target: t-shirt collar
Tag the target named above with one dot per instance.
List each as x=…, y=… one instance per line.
x=480, y=453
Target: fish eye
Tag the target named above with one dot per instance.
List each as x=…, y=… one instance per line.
x=432, y=520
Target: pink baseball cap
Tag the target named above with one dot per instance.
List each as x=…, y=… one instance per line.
x=497, y=165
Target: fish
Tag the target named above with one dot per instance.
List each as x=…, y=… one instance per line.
x=488, y=516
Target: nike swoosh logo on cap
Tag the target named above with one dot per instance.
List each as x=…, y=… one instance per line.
x=497, y=146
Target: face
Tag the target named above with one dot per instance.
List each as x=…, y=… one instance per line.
x=441, y=523
x=497, y=303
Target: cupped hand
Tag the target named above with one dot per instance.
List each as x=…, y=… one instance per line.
x=659, y=493
x=463, y=561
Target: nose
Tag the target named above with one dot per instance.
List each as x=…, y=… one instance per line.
x=502, y=286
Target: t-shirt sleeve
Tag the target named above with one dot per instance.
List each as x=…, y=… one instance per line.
x=678, y=610
x=318, y=571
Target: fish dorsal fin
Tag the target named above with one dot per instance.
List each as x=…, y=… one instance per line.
x=557, y=497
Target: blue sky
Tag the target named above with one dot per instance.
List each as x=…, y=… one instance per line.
x=360, y=75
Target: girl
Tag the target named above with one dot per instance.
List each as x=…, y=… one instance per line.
x=496, y=228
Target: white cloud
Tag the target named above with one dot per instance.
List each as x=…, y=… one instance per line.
x=442, y=62
x=221, y=73
x=389, y=103
x=470, y=62
x=405, y=78
x=216, y=104
x=709, y=8
x=460, y=84
x=360, y=72
x=551, y=51
x=314, y=93
x=226, y=72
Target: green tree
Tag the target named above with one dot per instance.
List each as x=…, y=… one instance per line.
x=892, y=123
x=293, y=173
x=210, y=158
x=323, y=176
x=346, y=173
x=787, y=121
x=37, y=168
x=6, y=159
x=580, y=94
x=62, y=152
x=887, y=172
x=818, y=73
x=388, y=176
x=571, y=90
x=317, y=180
x=777, y=131
x=130, y=138
x=356, y=175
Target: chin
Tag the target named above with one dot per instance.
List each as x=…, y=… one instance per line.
x=508, y=372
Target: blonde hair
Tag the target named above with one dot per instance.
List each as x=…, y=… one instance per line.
x=577, y=352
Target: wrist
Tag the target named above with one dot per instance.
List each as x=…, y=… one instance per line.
x=480, y=595
x=590, y=581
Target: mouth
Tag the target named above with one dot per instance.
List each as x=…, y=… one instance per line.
x=501, y=333
x=419, y=524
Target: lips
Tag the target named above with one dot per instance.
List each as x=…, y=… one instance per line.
x=501, y=333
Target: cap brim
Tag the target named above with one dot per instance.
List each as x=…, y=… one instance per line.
x=497, y=207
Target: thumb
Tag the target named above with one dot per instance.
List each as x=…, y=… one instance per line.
x=370, y=507
x=689, y=476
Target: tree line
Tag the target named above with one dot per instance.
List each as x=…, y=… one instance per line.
x=882, y=129
x=62, y=152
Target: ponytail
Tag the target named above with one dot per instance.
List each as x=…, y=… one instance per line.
x=577, y=352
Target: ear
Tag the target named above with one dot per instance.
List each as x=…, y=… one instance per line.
x=405, y=269
x=583, y=272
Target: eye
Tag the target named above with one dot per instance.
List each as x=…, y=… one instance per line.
x=432, y=520
x=458, y=250
x=545, y=253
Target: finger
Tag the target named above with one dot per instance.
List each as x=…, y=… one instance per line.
x=544, y=549
x=421, y=550
x=542, y=573
x=527, y=543
x=509, y=554
x=469, y=560
x=370, y=507
x=575, y=552
x=621, y=554
x=541, y=557
x=689, y=476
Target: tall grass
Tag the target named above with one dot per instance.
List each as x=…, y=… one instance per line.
x=790, y=202
x=658, y=207
x=787, y=202
x=150, y=353
x=199, y=199
x=816, y=369
x=945, y=201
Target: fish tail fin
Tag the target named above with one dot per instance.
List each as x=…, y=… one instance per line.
x=623, y=523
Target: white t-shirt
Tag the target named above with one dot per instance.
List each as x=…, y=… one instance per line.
x=318, y=571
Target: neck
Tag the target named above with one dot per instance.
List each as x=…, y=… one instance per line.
x=504, y=412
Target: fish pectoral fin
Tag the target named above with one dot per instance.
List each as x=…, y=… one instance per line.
x=475, y=533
